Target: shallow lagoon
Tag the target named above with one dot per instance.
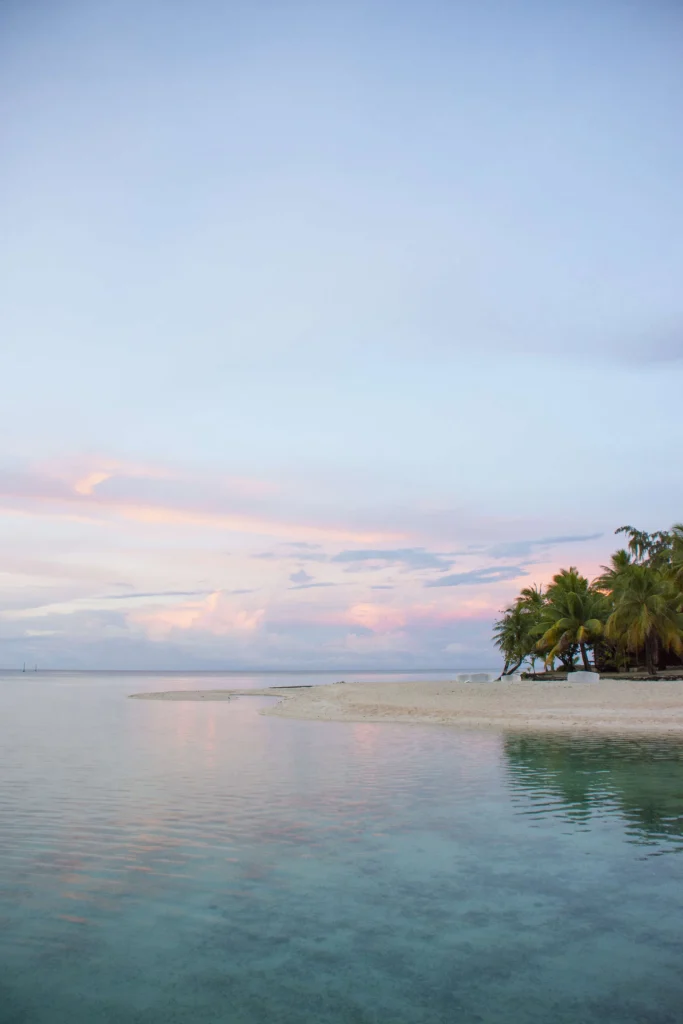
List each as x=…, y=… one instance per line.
x=173, y=862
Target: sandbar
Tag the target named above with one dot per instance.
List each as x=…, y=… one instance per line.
x=609, y=706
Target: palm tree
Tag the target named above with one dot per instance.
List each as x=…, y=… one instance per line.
x=639, y=594
x=677, y=555
x=651, y=548
x=568, y=580
x=574, y=615
x=646, y=613
x=510, y=637
x=620, y=560
x=531, y=601
x=514, y=633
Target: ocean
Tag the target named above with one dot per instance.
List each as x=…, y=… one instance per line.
x=168, y=862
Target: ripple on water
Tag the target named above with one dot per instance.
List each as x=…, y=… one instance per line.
x=173, y=862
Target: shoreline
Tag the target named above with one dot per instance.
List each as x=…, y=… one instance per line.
x=608, y=707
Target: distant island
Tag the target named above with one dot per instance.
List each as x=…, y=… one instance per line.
x=629, y=617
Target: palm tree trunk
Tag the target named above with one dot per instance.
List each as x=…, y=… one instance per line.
x=650, y=655
x=584, y=658
x=508, y=671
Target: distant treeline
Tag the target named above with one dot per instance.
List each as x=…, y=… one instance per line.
x=631, y=616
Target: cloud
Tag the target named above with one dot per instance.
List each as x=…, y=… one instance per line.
x=147, y=496
x=16, y=564
x=524, y=548
x=482, y=576
x=383, y=617
x=305, y=582
x=378, y=618
x=88, y=484
x=570, y=540
x=26, y=602
x=159, y=593
x=212, y=636
x=215, y=614
x=293, y=552
x=300, y=577
x=310, y=586
x=409, y=558
x=248, y=524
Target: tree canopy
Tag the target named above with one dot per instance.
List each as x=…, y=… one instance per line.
x=630, y=615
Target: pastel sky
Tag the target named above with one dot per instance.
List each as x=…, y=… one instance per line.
x=327, y=326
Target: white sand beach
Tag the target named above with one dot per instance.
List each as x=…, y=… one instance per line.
x=610, y=706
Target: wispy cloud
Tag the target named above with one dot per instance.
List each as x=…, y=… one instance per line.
x=129, y=596
x=408, y=558
x=311, y=586
x=144, y=496
x=383, y=618
x=300, y=577
x=524, y=548
x=481, y=576
x=88, y=483
x=244, y=524
x=294, y=553
x=159, y=587
x=304, y=581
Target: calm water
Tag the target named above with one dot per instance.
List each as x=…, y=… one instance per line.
x=166, y=863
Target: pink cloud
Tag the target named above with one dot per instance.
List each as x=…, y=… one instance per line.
x=245, y=524
x=75, y=492
x=378, y=618
x=389, y=618
x=87, y=484
x=213, y=614
x=377, y=642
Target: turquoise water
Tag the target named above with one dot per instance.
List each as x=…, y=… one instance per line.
x=188, y=862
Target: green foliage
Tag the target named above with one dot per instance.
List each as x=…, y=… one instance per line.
x=574, y=616
x=514, y=633
x=677, y=556
x=633, y=611
x=646, y=615
x=619, y=561
x=647, y=547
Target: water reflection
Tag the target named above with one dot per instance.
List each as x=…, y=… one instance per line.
x=587, y=778
x=168, y=862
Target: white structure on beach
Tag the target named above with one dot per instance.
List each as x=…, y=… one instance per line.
x=583, y=677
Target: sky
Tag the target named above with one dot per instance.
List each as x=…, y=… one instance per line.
x=326, y=327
